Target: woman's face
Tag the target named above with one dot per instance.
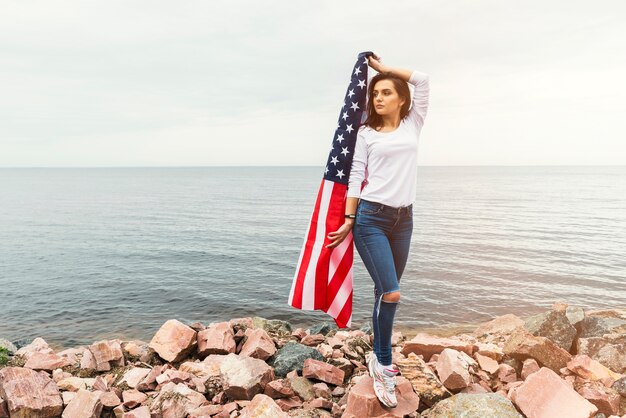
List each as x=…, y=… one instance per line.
x=386, y=98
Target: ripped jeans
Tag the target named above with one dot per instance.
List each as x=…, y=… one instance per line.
x=382, y=236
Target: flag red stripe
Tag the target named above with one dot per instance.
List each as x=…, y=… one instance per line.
x=308, y=247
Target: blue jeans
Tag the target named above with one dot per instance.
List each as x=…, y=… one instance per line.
x=382, y=236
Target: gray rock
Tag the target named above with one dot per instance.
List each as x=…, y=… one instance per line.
x=609, y=350
x=597, y=326
x=303, y=387
x=620, y=386
x=11, y=348
x=474, y=405
x=272, y=326
x=291, y=357
x=553, y=325
x=323, y=329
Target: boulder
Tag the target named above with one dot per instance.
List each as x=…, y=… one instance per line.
x=134, y=376
x=587, y=368
x=292, y=357
x=174, y=341
x=609, y=350
x=474, y=405
x=319, y=370
x=278, y=389
x=38, y=345
x=29, y=393
x=177, y=401
x=423, y=379
x=605, y=399
x=453, y=369
x=522, y=345
x=107, y=354
x=598, y=326
x=553, y=325
x=258, y=344
x=85, y=404
x=217, y=339
x=244, y=377
x=141, y=412
x=426, y=345
x=486, y=363
x=46, y=361
x=545, y=395
x=132, y=398
x=362, y=401
x=262, y=406
x=501, y=325
x=74, y=384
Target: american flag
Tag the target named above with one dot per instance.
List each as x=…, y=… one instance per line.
x=323, y=278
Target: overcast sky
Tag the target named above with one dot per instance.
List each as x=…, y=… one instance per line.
x=164, y=83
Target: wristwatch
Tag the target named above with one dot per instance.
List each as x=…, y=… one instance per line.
x=350, y=216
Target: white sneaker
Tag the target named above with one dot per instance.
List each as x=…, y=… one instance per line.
x=384, y=382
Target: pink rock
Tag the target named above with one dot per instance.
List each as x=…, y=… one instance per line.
x=475, y=388
x=529, y=367
x=72, y=355
x=74, y=384
x=486, y=363
x=587, y=368
x=173, y=341
x=38, y=345
x=299, y=333
x=84, y=405
x=29, y=393
x=68, y=397
x=504, y=324
x=506, y=373
x=258, y=344
x=244, y=377
x=319, y=403
x=545, y=395
x=278, y=389
x=262, y=406
x=149, y=382
x=217, y=339
x=173, y=375
x=177, y=400
x=522, y=345
x=100, y=383
x=315, y=369
x=427, y=345
x=110, y=399
x=46, y=361
x=362, y=401
x=312, y=340
x=289, y=403
x=141, y=412
x=133, y=398
x=88, y=361
x=452, y=370
x=107, y=354
x=134, y=376
x=58, y=374
x=322, y=390
x=606, y=400
x=135, y=348
x=205, y=411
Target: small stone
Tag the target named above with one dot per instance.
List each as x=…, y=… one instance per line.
x=84, y=405
x=315, y=369
x=529, y=367
x=262, y=406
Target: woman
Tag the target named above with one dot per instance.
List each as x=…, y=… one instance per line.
x=385, y=158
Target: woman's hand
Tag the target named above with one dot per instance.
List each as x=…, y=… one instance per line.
x=374, y=61
x=339, y=235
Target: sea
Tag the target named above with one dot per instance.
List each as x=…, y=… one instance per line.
x=97, y=253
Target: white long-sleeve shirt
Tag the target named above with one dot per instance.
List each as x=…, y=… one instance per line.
x=387, y=161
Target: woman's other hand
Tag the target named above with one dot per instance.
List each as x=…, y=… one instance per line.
x=339, y=235
x=374, y=61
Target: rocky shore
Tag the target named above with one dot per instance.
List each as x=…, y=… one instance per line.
x=563, y=363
